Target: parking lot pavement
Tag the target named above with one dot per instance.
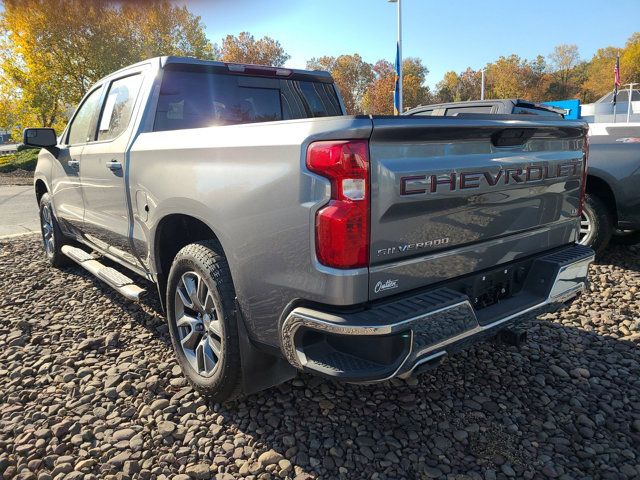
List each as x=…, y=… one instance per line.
x=90, y=389
x=18, y=210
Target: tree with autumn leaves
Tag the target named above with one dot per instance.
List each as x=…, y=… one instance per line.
x=562, y=75
x=52, y=51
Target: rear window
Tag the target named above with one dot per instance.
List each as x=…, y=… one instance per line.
x=193, y=99
x=474, y=109
x=535, y=111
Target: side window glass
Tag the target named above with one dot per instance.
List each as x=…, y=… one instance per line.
x=80, y=130
x=118, y=106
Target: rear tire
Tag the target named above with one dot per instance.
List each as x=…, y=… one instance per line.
x=596, y=226
x=202, y=321
x=52, y=237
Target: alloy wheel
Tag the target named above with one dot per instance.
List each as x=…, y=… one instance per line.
x=586, y=227
x=46, y=222
x=198, y=325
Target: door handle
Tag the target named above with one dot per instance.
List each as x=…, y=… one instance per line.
x=73, y=163
x=114, y=165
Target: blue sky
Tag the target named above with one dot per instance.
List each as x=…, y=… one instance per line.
x=447, y=35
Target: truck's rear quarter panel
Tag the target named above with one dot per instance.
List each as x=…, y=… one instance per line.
x=248, y=183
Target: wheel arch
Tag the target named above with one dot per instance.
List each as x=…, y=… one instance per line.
x=40, y=189
x=600, y=188
x=173, y=232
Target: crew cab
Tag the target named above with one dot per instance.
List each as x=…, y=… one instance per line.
x=284, y=235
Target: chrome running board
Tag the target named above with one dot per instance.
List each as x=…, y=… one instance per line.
x=116, y=280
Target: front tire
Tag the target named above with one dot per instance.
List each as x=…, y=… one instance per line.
x=202, y=321
x=596, y=225
x=52, y=237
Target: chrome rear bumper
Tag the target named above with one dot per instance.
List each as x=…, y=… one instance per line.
x=424, y=327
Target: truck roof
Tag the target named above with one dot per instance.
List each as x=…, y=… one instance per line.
x=317, y=75
x=237, y=68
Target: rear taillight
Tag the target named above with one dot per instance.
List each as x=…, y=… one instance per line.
x=583, y=186
x=342, y=226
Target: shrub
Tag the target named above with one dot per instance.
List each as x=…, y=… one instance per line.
x=24, y=159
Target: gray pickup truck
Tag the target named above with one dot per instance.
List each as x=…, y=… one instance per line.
x=285, y=235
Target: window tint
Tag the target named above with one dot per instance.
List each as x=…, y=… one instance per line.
x=535, y=111
x=424, y=113
x=202, y=99
x=81, y=130
x=118, y=106
x=477, y=109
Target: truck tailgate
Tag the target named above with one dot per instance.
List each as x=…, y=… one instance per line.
x=450, y=196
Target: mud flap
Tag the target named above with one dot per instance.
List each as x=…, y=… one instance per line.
x=260, y=370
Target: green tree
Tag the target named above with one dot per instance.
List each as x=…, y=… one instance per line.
x=352, y=76
x=246, y=49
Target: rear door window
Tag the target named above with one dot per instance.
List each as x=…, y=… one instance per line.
x=118, y=106
x=194, y=99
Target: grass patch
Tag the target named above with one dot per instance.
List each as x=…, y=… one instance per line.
x=25, y=160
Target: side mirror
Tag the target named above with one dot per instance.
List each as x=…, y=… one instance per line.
x=41, y=138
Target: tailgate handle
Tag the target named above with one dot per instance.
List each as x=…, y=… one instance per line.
x=512, y=137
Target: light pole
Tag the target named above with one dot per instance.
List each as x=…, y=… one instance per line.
x=398, y=99
x=482, y=85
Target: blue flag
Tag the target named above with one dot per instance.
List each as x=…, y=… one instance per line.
x=396, y=91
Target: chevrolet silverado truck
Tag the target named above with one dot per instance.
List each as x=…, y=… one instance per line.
x=282, y=234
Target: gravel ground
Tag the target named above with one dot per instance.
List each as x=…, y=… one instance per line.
x=90, y=389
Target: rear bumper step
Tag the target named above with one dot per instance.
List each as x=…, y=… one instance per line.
x=116, y=280
x=397, y=337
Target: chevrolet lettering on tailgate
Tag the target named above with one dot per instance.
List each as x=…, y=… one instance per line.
x=417, y=184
